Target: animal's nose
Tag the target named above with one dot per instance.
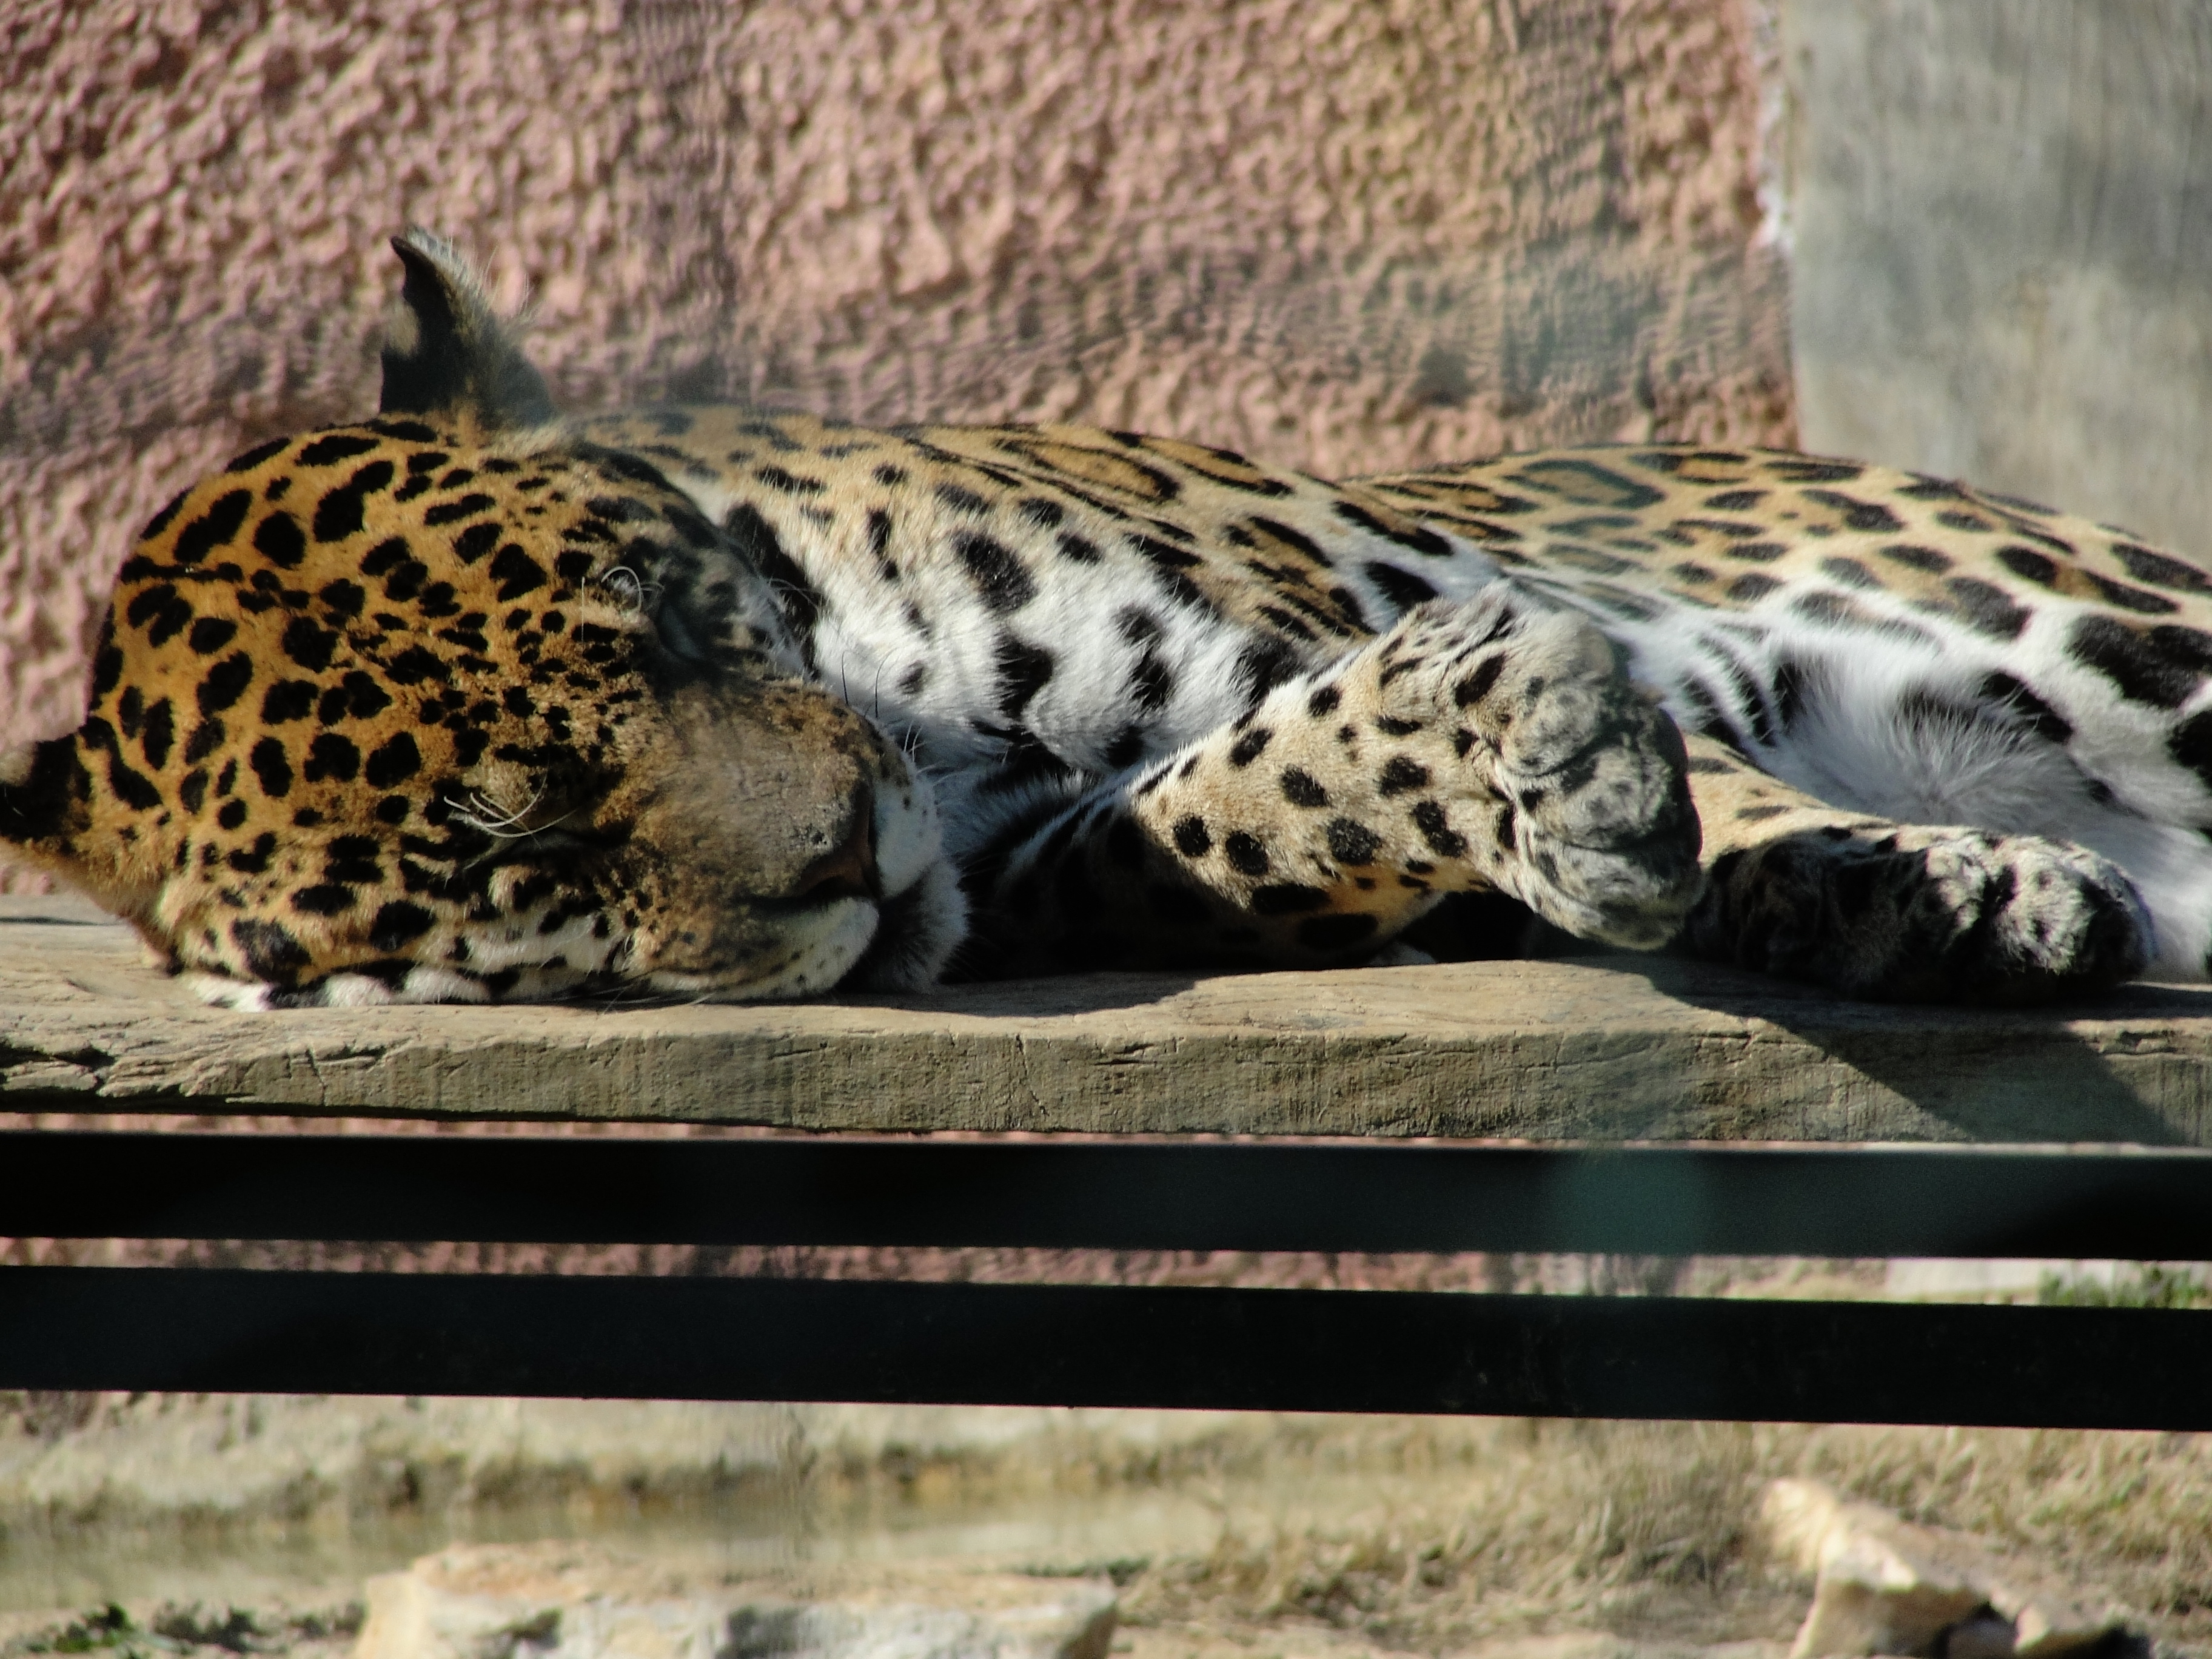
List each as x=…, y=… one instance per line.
x=847, y=871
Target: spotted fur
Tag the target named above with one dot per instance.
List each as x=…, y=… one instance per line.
x=470, y=701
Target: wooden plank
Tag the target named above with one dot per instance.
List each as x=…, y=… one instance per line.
x=1594, y=1049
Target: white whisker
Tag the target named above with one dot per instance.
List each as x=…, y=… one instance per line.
x=487, y=817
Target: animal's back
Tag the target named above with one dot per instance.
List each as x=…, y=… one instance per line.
x=1886, y=641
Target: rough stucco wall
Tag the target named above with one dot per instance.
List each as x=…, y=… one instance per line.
x=1337, y=235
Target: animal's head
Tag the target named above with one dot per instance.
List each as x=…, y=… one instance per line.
x=449, y=705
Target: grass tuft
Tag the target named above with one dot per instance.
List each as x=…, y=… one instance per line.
x=1647, y=1530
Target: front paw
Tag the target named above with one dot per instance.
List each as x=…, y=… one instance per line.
x=1490, y=744
x=1583, y=782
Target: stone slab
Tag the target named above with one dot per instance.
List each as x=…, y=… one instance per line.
x=1883, y=1584
x=577, y=1600
x=1611, y=1047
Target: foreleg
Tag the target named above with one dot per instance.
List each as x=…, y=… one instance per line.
x=1493, y=744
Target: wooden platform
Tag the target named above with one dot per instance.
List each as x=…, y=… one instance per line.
x=1620, y=1047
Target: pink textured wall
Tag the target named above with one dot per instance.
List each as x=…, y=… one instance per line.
x=1338, y=233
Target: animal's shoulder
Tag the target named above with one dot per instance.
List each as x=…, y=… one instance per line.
x=1015, y=511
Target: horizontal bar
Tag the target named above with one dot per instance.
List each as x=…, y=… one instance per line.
x=727, y=1338
x=1364, y=1197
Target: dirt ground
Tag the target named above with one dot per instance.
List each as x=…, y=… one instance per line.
x=1323, y=1538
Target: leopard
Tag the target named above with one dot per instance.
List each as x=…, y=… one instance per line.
x=470, y=701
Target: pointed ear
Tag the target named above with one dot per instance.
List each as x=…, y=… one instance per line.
x=447, y=352
x=42, y=793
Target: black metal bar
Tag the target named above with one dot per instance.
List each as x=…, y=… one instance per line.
x=1844, y=1201
x=1286, y=1350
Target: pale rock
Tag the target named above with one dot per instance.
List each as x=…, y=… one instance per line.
x=565, y=1600
x=1884, y=1585
x=1605, y=1644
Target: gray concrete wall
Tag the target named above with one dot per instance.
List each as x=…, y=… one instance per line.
x=2001, y=214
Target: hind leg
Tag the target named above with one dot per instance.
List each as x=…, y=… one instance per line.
x=2170, y=865
x=1907, y=913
